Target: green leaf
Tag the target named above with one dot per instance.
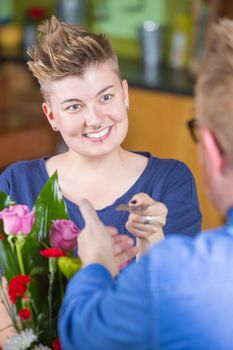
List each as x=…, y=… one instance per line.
x=39, y=270
x=49, y=206
x=5, y=201
x=8, y=260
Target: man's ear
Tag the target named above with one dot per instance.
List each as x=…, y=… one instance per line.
x=215, y=157
x=49, y=114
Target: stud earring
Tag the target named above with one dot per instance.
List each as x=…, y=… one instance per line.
x=54, y=128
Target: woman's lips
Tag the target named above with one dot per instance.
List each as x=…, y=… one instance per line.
x=98, y=136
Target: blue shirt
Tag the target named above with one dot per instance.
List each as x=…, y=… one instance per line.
x=178, y=296
x=165, y=180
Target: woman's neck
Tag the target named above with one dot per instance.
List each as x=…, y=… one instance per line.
x=73, y=163
x=101, y=179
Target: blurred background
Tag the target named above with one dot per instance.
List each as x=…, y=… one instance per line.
x=159, y=44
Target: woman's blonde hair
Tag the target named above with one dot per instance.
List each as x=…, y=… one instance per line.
x=63, y=49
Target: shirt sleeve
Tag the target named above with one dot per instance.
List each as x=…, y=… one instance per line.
x=100, y=314
x=180, y=197
x=4, y=185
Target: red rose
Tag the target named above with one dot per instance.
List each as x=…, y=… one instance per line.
x=52, y=253
x=17, y=287
x=25, y=314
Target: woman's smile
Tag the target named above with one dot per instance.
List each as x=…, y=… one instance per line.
x=100, y=135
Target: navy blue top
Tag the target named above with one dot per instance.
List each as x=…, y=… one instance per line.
x=178, y=296
x=166, y=180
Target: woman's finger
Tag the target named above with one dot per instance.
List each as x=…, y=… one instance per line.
x=147, y=220
x=140, y=200
x=154, y=209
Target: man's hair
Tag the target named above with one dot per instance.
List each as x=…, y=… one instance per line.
x=63, y=50
x=214, y=88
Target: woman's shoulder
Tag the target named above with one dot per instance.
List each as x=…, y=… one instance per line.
x=22, y=181
x=22, y=167
x=165, y=165
x=22, y=178
x=23, y=172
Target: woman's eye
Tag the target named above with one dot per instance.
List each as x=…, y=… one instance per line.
x=74, y=107
x=106, y=98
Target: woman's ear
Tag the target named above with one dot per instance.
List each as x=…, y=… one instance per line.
x=126, y=92
x=49, y=114
x=212, y=152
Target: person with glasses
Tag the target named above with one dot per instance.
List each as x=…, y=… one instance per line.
x=179, y=294
x=193, y=129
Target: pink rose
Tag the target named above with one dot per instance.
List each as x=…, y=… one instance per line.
x=17, y=219
x=63, y=234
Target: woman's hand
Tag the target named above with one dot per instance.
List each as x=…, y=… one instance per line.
x=146, y=220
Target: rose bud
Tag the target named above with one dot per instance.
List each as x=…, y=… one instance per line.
x=63, y=234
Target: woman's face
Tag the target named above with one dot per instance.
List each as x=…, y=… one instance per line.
x=89, y=111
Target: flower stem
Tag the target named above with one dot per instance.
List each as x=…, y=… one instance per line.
x=61, y=285
x=52, y=271
x=19, y=244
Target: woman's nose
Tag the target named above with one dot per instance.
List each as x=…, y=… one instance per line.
x=94, y=118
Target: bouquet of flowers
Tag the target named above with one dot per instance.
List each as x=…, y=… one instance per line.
x=37, y=257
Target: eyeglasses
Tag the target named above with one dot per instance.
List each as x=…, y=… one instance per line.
x=193, y=129
x=195, y=135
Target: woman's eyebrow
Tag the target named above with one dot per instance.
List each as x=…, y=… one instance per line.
x=71, y=100
x=104, y=89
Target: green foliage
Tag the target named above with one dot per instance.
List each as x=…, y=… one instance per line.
x=5, y=201
x=48, y=206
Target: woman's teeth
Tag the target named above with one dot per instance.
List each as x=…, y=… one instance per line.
x=97, y=135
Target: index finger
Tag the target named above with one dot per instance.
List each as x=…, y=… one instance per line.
x=156, y=209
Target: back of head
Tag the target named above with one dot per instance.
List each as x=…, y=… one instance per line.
x=214, y=88
x=64, y=49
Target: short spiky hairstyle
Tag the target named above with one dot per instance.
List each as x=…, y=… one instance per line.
x=63, y=49
x=214, y=88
